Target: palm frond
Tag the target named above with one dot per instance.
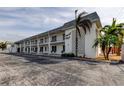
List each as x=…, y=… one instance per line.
x=96, y=43
x=79, y=17
x=113, y=22
x=86, y=24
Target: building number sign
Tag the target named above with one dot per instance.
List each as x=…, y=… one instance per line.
x=68, y=35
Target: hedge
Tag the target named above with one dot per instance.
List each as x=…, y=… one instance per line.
x=68, y=55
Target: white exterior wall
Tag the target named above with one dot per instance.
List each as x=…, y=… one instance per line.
x=73, y=40
x=70, y=43
x=60, y=37
x=38, y=48
x=85, y=42
x=68, y=40
x=81, y=42
x=89, y=41
x=11, y=49
x=59, y=48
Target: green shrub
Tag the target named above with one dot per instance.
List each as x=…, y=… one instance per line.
x=68, y=55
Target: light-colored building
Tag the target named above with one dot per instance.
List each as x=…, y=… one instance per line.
x=62, y=40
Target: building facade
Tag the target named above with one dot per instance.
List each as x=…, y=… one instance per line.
x=62, y=40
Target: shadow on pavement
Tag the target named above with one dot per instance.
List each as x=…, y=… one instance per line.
x=38, y=59
x=117, y=62
x=49, y=59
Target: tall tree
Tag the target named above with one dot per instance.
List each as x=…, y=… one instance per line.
x=117, y=30
x=86, y=24
x=105, y=41
x=3, y=45
x=120, y=34
x=109, y=36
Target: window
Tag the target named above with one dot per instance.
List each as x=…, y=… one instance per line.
x=31, y=49
x=35, y=49
x=32, y=42
x=41, y=49
x=26, y=49
x=45, y=39
x=27, y=42
x=54, y=49
x=41, y=40
x=18, y=50
x=53, y=38
x=22, y=49
x=63, y=36
x=35, y=41
x=63, y=48
x=45, y=48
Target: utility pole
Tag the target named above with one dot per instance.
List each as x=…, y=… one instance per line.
x=76, y=38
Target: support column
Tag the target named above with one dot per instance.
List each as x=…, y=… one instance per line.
x=20, y=48
x=24, y=47
x=30, y=46
x=38, y=48
x=49, y=43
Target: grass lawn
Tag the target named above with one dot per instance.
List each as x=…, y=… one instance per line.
x=112, y=57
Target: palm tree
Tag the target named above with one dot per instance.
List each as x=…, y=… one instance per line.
x=81, y=23
x=117, y=30
x=109, y=36
x=120, y=34
x=105, y=41
x=3, y=45
x=119, y=44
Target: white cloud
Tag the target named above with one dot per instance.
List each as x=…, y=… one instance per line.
x=53, y=20
x=66, y=14
x=14, y=35
x=18, y=23
x=5, y=22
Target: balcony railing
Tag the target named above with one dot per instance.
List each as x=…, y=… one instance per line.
x=57, y=42
x=43, y=43
x=33, y=43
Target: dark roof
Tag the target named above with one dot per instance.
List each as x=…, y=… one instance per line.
x=92, y=16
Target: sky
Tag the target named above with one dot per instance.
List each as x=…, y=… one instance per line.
x=18, y=23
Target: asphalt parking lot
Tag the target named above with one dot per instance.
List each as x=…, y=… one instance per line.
x=26, y=70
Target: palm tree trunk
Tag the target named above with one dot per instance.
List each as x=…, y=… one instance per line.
x=104, y=54
x=76, y=45
x=119, y=46
x=118, y=52
x=76, y=38
x=107, y=54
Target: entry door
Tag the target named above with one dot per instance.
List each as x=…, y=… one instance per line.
x=18, y=50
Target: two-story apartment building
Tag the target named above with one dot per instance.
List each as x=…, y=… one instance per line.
x=62, y=40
